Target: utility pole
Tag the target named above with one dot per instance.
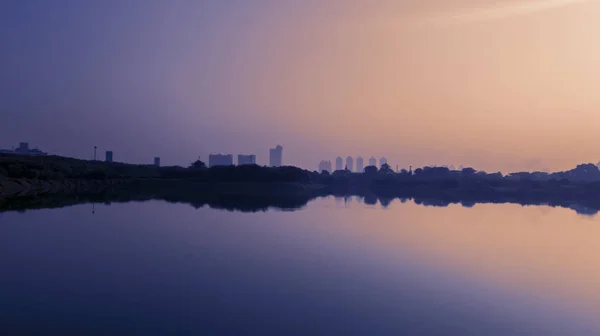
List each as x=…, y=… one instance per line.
x=95, y=153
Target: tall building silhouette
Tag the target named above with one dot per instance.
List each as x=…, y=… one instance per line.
x=339, y=163
x=24, y=149
x=360, y=165
x=373, y=161
x=382, y=161
x=220, y=160
x=246, y=159
x=109, y=156
x=325, y=166
x=157, y=161
x=276, y=156
x=350, y=163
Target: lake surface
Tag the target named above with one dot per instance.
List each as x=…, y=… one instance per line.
x=335, y=267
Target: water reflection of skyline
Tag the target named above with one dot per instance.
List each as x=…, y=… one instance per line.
x=536, y=264
x=251, y=204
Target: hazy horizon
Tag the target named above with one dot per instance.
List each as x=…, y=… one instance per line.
x=505, y=86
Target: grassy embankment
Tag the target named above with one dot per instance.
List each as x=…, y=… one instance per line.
x=50, y=175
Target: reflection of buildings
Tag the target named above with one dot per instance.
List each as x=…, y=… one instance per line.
x=220, y=160
x=350, y=163
x=246, y=159
x=109, y=156
x=23, y=149
x=372, y=161
x=325, y=166
x=276, y=156
x=360, y=165
x=339, y=163
x=382, y=161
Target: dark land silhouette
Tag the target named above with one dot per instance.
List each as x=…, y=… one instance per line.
x=52, y=181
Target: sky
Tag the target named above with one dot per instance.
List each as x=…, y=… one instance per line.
x=498, y=85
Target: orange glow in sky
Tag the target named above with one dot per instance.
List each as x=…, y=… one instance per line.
x=513, y=87
x=500, y=85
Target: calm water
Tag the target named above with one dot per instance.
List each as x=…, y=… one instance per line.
x=332, y=268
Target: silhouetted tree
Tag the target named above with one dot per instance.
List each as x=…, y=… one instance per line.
x=468, y=171
x=386, y=169
x=198, y=165
x=370, y=170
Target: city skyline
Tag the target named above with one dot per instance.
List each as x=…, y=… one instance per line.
x=224, y=159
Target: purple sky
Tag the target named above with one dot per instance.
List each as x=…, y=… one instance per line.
x=112, y=73
x=503, y=86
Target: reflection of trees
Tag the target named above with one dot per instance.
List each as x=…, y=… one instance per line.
x=583, y=210
x=270, y=200
x=243, y=203
x=371, y=199
x=385, y=201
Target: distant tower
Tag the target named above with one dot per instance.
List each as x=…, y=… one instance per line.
x=24, y=147
x=360, y=164
x=339, y=163
x=325, y=166
x=249, y=159
x=396, y=168
x=220, y=160
x=382, y=161
x=372, y=161
x=109, y=156
x=157, y=161
x=276, y=156
x=350, y=163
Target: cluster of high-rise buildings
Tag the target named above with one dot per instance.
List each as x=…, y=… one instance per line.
x=275, y=158
x=350, y=164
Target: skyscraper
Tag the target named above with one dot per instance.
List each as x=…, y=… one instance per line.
x=24, y=149
x=157, y=161
x=382, y=161
x=360, y=165
x=109, y=156
x=350, y=163
x=220, y=160
x=246, y=159
x=325, y=166
x=339, y=163
x=372, y=161
x=276, y=156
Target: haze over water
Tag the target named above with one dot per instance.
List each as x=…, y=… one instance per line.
x=332, y=267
